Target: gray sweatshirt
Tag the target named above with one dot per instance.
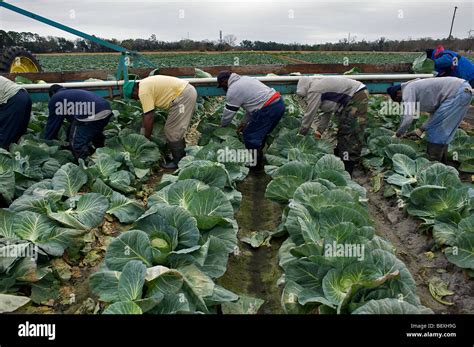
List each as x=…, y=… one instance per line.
x=246, y=92
x=426, y=95
x=330, y=94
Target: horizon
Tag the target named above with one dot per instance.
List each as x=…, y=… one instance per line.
x=299, y=22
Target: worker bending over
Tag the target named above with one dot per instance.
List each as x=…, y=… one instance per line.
x=15, y=112
x=347, y=99
x=263, y=105
x=446, y=99
x=87, y=113
x=449, y=63
x=168, y=93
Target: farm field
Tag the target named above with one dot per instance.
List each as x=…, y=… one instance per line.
x=110, y=61
x=116, y=235
x=70, y=62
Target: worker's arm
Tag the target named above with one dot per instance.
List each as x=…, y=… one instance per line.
x=147, y=123
x=148, y=106
x=54, y=123
x=228, y=114
x=313, y=101
x=232, y=105
x=409, y=98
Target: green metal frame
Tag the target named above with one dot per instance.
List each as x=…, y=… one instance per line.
x=122, y=71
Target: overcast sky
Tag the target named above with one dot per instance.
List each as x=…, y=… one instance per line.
x=300, y=21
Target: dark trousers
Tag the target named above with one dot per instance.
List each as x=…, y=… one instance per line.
x=262, y=123
x=14, y=117
x=351, y=124
x=471, y=82
x=83, y=134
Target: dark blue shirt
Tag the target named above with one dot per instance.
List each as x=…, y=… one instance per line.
x=449, y=63
x=74, y=104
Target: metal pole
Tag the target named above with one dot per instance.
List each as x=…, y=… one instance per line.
x=63, y=27
x=452, y=23
x=73, y=31
x=213, y=81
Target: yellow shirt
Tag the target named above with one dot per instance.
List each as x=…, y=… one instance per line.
x=159, y=91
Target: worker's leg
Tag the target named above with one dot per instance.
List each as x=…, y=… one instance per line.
x=14, y=117
x=79, y=141
x=179, y=117
x=262, y=123
x=471, y=82
x=279, y=111
x=437, y=152
x=445, y=121
x=98, y=139
x=85, y=133
x=180, y=114
x=351, y=121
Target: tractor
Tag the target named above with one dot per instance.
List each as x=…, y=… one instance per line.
x=18, y=60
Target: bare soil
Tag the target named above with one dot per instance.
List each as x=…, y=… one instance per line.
x=255, y=271
x=412, y=246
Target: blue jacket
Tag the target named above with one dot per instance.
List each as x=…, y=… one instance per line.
x=74, y=104
x=445, y=65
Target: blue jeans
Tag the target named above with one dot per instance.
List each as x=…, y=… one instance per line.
x=14, y=117
x=262, y=123
x=443, y=123
x=82, y=134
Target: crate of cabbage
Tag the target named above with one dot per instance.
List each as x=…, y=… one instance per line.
x=147, y=242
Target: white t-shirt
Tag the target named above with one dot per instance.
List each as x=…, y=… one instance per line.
x=7, y=89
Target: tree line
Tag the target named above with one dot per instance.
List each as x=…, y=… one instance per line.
x=52, y=44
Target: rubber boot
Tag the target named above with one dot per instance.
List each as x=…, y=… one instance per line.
x=260, y=164
x=260, y=161
x=437, y=152
x=177, y=151
x=349, y=166
x=445, y=154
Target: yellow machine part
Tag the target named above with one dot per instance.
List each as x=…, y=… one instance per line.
x=23, y=64
x=18, y=59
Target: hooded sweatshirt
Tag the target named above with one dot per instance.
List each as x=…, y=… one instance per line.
x=246, y=92
x=449, y=63
x=331, y=94
x=428, y=94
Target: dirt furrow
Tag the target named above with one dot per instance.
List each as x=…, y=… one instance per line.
x=255, y=271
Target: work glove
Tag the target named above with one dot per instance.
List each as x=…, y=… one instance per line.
x=303, y=132
x=414, y=135
x=240, y=128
